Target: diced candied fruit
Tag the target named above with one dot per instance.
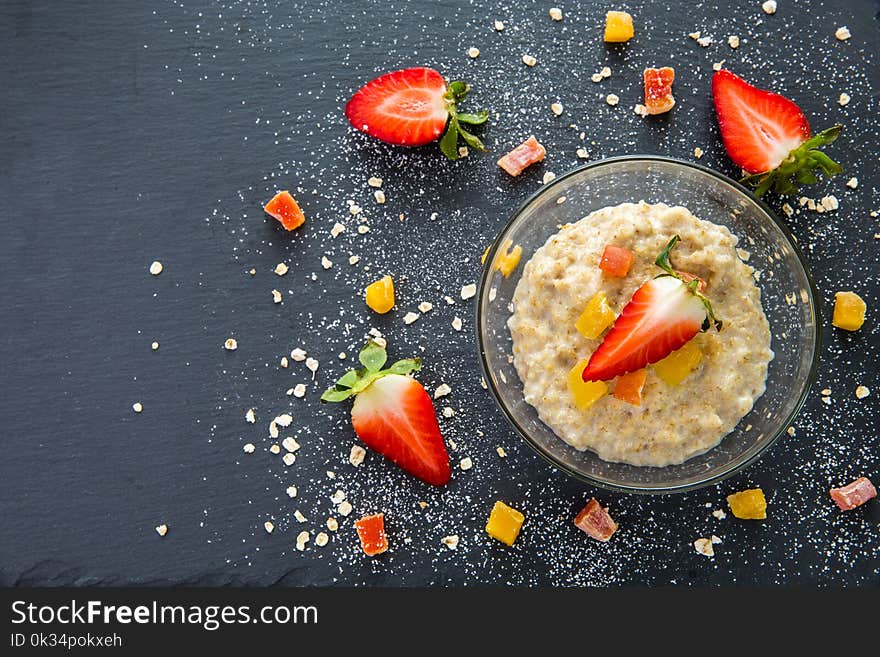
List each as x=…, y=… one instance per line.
x=658, y=89
x=585, y=393
x=618, y=27
x=285, y=209
x=504, y=523
x=849, y=311
x=597, y=317
x=748, y=504
x=508, y=260
x=629, y=387
x=854, y=494
x=371, y=531
x=527, y=153
x=595, y=521
x=678, y=365
x=616, y=261
x=380, y=295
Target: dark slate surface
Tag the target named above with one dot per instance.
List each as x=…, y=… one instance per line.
x=132, y=133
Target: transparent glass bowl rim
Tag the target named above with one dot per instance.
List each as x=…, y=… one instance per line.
x=737, y=465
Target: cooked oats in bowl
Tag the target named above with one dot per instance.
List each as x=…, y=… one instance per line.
x=607, y=359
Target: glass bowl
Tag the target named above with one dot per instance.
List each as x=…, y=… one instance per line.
x=794, y=321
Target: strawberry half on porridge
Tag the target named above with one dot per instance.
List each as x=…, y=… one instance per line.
x=638, y=333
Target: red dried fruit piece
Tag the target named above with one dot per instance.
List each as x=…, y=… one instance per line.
x=616, y=261
x=595, y=521
x=285, y=209
x=371, y=531
x=527, y=153
x=629, y=387
x=687, y=277
x=658, y=89
x=854, y=494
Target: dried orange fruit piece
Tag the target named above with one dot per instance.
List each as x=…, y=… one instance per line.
x=371, y=531
x=678, y=365
x=380, y=295
x=616, y=261
x=285, y=209
x=629, y=387
x=658, y=89
x=504, y=523
x=597, y=316
x=748, y=504
x=849, y=311
x=618, y=27
x=585, y=393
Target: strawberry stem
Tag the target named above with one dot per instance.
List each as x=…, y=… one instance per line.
x=663, y=262
x=800, y=164
x=372, y=357
x=457, y=91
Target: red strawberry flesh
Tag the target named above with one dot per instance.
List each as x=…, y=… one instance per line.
x=661, y=317
x=759, y=128
x=395, y=417
x=406, y=108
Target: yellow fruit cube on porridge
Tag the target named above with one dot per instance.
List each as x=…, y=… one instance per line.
x=849, y=311
x=618, y=27
x=597, y=317
x=678, y=365
x=585, y=393
x=504, y=523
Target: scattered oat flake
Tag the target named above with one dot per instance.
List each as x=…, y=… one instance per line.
x=162, y=530
x=298, y=354
x=269, y=526
x=556, y=13
x=473, y=53
x=248, y=448
x=281, y=269
x=357, y=455
x=556, y=108
x=288, y=459
x=231, y=344
x=769, y=7
x=374, y=181
x=321, y=539
x=326, y=263
x=355, y=209
x=154, y=346
x=717, y=66
x=499, y=26
x=500, y=451
x=469, y=291
x=363, y=229
x=719, y=513
x=312, y=365
x=299, y=516
x=704, y=546
x=301, y=540
x=156, y=268
x=466, y=463
x=842, y=33
x=862, y=392
x=442, y=390
x=852, y=183
x=456, y=323
x=641, y=110
x=353, y=260
x=337, y=229
x=344, y=508
x=448, y=411
x=583, y=155
x=705, y=41
x=137, y=407
x=698, y=152
x=338, y=496
x=284, y=420
x=275, y=449
x=332, y=524
x=694, y=35
x=284, y=362
x=548, y=177
x=733, y=41
x=450, y=541
x=425, y=306
x=612, y=99
x=291, y=491
x=379, y=195
x=528, y=60
x=299, y=390
x=596, y=77
x=290, y=444
x=410, y=317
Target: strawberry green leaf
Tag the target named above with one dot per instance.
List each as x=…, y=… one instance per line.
x=405, y=366
x=372, y=356
x=471, y=140
x=335, y=394
x=449, y=140
x=474, y=119
x=350, y=378
x=458, y=90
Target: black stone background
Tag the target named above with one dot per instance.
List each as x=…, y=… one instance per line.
x=131, y=132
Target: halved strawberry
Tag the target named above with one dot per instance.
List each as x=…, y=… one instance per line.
x=662, y=315
x=412, y=107
x=394, y=415
x=768, y=136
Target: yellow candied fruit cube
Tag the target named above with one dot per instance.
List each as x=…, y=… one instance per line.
x=585, y=393
x=508, y=262
x=678, y=365
x=618, y=27
x=597, y=317
x=849, y=311
x=504, y=523
x=380, y=295
x=748, y=504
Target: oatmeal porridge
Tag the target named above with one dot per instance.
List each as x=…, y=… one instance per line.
x=673, y=422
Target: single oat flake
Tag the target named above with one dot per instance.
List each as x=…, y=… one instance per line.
x=231, y=344
x=156, y=268
x=162, y=529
